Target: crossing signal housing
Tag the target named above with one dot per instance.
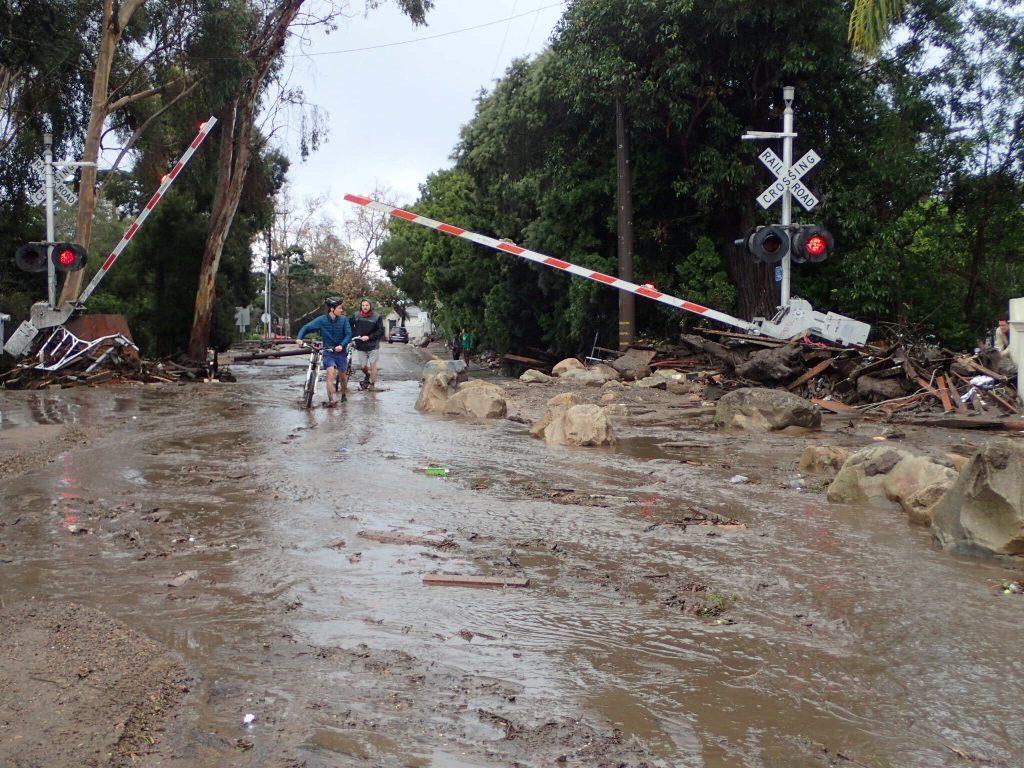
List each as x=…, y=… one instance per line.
x=812, y=243
x=68, y=257
x=766, y=244
x=31, y=257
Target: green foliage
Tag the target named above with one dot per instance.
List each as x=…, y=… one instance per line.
x=927, y=215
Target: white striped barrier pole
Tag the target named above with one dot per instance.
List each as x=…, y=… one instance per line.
x=551, y=261
x=165, y=183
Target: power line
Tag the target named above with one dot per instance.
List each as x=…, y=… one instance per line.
x=431, y=37
x=501, y=50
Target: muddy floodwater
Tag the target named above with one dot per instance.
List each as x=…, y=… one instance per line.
x=803, y=633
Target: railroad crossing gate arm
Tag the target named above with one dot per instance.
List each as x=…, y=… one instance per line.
x=550, y=261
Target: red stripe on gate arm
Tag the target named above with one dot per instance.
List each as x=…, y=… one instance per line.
x=648, y=293
x=551, y=261
x=176, y=170
x=403, y=214
x=358, y=199
x=153, y=201
x=601, y=277
x=510, y=248
x=449, y=229
x=694, y=307
x=131, y=231
x=199, y=140
x=110, y=260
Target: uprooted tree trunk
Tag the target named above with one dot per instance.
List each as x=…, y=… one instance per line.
x=235, y=157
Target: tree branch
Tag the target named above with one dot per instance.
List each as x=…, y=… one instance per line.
x=131, y=98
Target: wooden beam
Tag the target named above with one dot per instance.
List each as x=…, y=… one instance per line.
x=811, y=374
x=445, y=580
x=833, y=405
x=947, y=406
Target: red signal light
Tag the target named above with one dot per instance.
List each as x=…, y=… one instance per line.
x=816, y=245
x=66, y=257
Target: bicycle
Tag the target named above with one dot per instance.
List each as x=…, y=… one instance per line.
x=312, y=374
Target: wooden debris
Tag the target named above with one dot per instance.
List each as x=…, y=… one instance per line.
x=446, y=580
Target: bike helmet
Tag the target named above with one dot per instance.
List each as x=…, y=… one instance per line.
x=332, y=301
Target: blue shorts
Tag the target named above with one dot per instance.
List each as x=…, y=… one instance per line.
x=337, y=360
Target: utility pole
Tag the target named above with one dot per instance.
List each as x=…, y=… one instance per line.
x=267, y=319
x=51, y=269
x=624, y=197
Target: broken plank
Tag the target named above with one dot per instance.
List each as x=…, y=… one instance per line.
x=833, y=405
x=970, y=363
x=393, y=537
x=445, y=580
x=947, y=405
x=811, y=373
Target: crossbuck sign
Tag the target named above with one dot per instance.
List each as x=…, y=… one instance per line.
x=788, y=180
x=37, y=196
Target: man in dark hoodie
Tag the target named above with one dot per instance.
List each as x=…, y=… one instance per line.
x=367, y=331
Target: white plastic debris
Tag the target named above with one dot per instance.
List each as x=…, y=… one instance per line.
x=983, y=382
x=736, y=479
x=248, y=719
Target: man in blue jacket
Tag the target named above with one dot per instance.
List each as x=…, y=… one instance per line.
x=335, y=333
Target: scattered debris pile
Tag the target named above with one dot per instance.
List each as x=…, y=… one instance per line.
x=98, y=349
x=891, y=377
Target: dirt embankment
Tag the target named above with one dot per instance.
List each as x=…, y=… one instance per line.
x=79, y=688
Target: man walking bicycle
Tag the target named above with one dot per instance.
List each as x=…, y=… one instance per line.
x=367, y=331
x=335, y=333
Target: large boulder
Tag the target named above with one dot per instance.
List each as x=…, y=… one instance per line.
x=985, y=508
x=772, y=364
x=479, y=399
x=557, y=405
x=533, y=376
x=824, y=460
x=580, y=425
x=880, y=473
x=582, y=377
x=634, y=364
x=435, y=389
x=569, y=364
x=457, y=367
x=758, y=408
x=872, y=388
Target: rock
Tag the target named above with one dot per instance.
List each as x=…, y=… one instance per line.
x=612, y=384
x=557, y=405
x=682, y=387
x=984, y=511
x=479, y=399
x=771, y=364
x=457, y=367
x=861, y=477
x=669, y=373
x=183, y=578
x=913, y=481
x=569, y=364
x=760, y=408
x=871, y=388
x=580, y=425
x=634, y=364
x=435, y=390
x=824, y=460
x=420, y=341
x=958, y=461
x=608, y=397
x=533, y=376
x=609, y=373
x=651, y=382
x=582, y=377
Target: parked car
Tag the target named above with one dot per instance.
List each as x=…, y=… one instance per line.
x=399, y=334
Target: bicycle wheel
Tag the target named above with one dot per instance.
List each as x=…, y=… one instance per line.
x=311, y=376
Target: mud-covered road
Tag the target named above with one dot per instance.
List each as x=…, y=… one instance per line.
x=802, y=634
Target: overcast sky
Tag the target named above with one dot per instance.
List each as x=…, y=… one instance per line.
x=394, y=111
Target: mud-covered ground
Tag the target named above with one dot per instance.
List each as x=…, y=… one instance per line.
x=176, y=559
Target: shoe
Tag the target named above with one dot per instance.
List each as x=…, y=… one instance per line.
x=364, y=384
x=344, y=397
x=330, y=404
